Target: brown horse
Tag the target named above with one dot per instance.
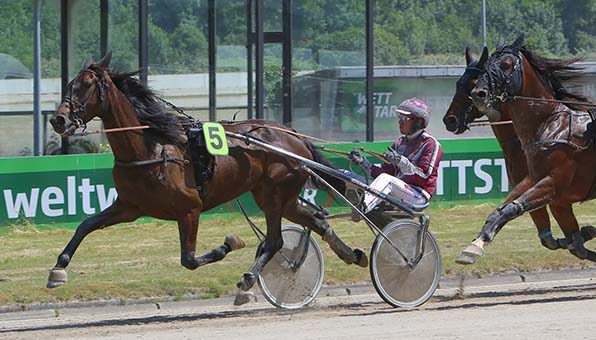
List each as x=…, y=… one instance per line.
x=154, y=171
x=462, y=112
x=557, y=140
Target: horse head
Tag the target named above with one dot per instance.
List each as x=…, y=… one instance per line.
x=84, y=98
x=462, y=111
x=502, y=78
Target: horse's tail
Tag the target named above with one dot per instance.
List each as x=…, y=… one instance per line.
x=335, y=182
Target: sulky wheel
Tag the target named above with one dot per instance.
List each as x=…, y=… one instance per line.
x=293, y=277
x=397, y=283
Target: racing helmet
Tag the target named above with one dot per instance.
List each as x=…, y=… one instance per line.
x=414, y=107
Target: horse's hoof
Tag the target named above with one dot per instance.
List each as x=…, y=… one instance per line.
x=361, y=258
x=57, y=277
x=243, y=297
x=470, y=254
x=248, y=280
x=234, y=242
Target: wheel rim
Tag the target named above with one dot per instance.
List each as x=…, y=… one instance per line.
x=292, y=288
x=395, y=282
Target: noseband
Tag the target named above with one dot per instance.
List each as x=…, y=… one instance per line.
x=76, y=107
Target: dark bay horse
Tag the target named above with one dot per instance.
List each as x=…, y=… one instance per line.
x=462, y=112
x=154, y=171
x=558, y=142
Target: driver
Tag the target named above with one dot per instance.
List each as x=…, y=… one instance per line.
x=410, y=173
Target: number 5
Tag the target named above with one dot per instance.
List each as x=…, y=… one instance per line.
x=215, y=138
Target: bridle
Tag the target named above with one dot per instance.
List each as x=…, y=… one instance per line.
x=75, y=107
x=503, y=87
x=467, y=118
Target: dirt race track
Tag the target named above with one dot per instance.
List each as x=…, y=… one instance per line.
x=559, y=305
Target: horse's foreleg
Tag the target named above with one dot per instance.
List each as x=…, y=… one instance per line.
x=231, y=242
x=114, y=214
x=535, y=198
x=187, y=228
x=301, y=215
x=563, y=213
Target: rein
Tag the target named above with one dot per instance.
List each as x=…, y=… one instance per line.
x=375, y=154
x=553, y=101
x=488, y=123
x=294, y=133
x=85, y=133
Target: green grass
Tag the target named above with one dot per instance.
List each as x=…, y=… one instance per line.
x=141, y=260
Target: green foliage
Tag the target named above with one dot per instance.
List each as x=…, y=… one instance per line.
x=331, y=32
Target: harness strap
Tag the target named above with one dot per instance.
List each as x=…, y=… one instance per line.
x=164, y=160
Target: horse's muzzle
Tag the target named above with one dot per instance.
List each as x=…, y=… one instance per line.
x=479, y=95
x=59, y=122
x=480, y=99
x=451, y=123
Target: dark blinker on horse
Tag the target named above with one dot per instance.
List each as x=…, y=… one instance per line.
x=462, y=112
x=164, y=172
x=558, y=140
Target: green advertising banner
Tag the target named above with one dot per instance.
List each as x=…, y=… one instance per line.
x=62, y=189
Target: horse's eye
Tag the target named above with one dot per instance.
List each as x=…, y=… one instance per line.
x=506, y=65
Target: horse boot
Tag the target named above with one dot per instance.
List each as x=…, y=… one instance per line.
x=588, y=232
x=576, y=246
x=342, y=250
x=548, y=241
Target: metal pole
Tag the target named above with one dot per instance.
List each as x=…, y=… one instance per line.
x=370, y=63
x=103, y=28
x=260, y=50
x=143, y=38
x=212, y=61
x=64, y=25
x=483, y=22
x=287, y=62
x=37, y=128
x=249, y=44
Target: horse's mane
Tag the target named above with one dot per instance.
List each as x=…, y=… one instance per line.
x=554, y=72
x=149, y=109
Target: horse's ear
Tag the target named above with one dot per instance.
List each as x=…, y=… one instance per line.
x=483, y=57
x=105, y=61
x=468, y=56
x=87, y=63
x=519, y=42
x=500, y=42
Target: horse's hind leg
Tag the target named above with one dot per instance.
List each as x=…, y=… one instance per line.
x=542, y=222
x=187, y=228
x=575, y=237
x=301, y=215
x=273, y=242
x=114, y=214
x=272, y=198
